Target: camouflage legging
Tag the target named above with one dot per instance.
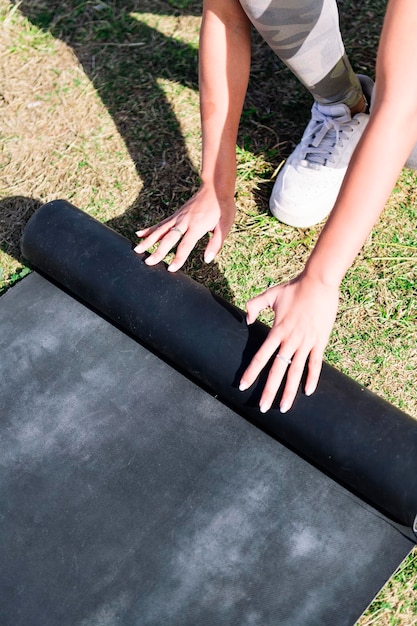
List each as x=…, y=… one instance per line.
x=305, y=35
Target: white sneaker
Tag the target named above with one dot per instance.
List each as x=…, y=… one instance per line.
x=308, y=184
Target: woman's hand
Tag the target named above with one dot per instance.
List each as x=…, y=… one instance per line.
x=305, y=310
x=203, y=213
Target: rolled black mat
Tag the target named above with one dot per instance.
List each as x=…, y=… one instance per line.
x=354, y=436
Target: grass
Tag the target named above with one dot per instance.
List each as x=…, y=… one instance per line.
x=99, y=105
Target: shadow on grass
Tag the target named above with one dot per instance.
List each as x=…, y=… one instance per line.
x=126, y=78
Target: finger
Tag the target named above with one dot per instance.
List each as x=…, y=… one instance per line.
x=259, y=361
x=256, y=305
x=273, y=383
x=314, y=370
x=153, y=235
x=292, y=384
x=145, y=231
x=166, y=244
x=214, y=245
x=183, y=252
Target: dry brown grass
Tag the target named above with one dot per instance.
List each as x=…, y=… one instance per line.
x=56, y=137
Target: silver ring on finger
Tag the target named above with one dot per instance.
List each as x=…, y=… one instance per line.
x=175, y=228
x=283, y=358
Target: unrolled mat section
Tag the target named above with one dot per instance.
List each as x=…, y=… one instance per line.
x=348, y=432
x=129, y=496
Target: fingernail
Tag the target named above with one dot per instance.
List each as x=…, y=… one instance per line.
x=137, y=249
x=264, y=407
x=139, y=233
x=284, y=407
x=208, y=257
x=172, y=268
x=309, y=391
x=243, y=386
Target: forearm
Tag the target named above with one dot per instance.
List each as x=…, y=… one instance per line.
x=372, y=174
x=383, y=150
x=223, y=75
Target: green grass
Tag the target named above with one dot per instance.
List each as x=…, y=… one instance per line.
x=8, y=281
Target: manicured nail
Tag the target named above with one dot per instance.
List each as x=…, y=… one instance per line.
x=172, y=268
x=264, y=407
x=208, y=257
x=139, y=233
x=243, y=386
x=309, y=391
x=138, y=249
x=284, y=407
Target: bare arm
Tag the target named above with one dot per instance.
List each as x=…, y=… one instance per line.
x=223, y=76
x=384, y=148
x=306, y=307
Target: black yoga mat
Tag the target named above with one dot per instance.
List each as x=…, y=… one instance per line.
x=346, y=430
x=131, y=495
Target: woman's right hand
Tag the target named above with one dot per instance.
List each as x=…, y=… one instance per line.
x=204, y=213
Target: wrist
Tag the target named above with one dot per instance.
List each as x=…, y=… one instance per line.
x=331, y=257
x=328, y=277
x=222, y=187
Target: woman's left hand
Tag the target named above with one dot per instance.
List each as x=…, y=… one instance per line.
x=305, y=310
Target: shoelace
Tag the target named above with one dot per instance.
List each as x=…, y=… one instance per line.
x=327, y=133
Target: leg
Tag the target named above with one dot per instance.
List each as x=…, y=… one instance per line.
x=305, y=35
